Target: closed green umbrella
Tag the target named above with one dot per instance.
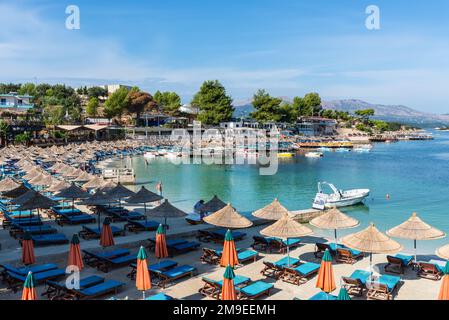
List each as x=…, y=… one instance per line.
x=343, y=295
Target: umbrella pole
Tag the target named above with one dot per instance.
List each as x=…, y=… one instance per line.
x=288, y=254
x=336, y=239
x=371, y=265
x=145, y=211
x=414, y=243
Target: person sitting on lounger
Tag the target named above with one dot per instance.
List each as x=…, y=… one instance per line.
x=197, y=208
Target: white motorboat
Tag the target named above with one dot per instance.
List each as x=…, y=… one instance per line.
x=314, y=154
x=338, y=198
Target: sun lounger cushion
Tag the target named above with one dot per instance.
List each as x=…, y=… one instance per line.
x=68, y=211
x=405, y=259
x=307, y=268
x=246, y=255
x=145, y=224
x=323, y=296
x=124, y=259
x=361, y=275
x=178, y=271
x=390, y=281
x=334, y=248
x=39, y=276
x=50, y=238
x=255, y=288
x=174, y=242
x=222, y=233
x=287, y=242
x=107, y=286
x=284, y=262
x=162, y=265
x=34, y=269
x=185, y=246
x=160, y=296
x=238, y=280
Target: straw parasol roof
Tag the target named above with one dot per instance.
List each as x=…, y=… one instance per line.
x=273, y=211
x=443, y=252
x=371, y=240
x=166, y=210
x=8, y=184
x=42, y=180
x=58, y=185
x=83, y=177
x=95, y=182
x=285, y=228
x=213, y=205
x=334, y=219
x=228, y=217
x=17, y=192
x=24, y=197
x=107, y=186
x=98, y=198
x=120, y=192
x=415, y=229
x=73, y=192
x=143, y=196
x=36, y=201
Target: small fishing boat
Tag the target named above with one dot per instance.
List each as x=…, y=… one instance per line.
x=314, y=154
x=338, y=198
x=286, y=154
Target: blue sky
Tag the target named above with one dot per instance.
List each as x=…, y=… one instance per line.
x=288, y=47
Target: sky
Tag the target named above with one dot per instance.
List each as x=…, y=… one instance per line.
x=288, y=47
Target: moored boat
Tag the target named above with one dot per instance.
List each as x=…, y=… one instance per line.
x=338, y=198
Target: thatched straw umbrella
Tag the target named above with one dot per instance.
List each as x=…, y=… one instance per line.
x=73, y=192
x=83, y=177
x=415, y=229
x=58, y=185
x=144, y=196
x=94, y=183
x=371, y=240
x=228, y=217
x=166, y=210
x=108, y=186
x=42, y=180
x=213, y=205
x=334, y=219
x=34, y=200
x=120, y=192
x=443, y=252
x=8, y=184
x=32, y=173
x=273, y=211
x=17, y=192
x=286, y=228
x=97, y=199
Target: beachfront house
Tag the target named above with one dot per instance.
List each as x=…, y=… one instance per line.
x=15, y=101
x=316, y=126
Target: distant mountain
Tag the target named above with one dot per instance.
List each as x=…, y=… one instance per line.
x=397, y=113
x=388, y=112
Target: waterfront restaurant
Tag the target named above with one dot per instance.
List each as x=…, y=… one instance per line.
x=316, y=126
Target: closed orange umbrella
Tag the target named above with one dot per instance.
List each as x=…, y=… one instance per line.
x=444, y=289
x=161, y=244
x=229, y=254
x=106, y=238
x=326, y=280
x=143, y=280
x=228, y=289
x=29, y=292
x=75, y=258
x=27, y=250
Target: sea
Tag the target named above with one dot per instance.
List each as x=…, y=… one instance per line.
x=404, y=177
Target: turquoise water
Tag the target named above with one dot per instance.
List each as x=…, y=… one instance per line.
x=414, y=173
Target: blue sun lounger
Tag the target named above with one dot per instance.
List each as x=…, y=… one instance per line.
x=300, y=274
x=24, y=270
x=183, y=247
x=49, y=239
x=108, y=286
x=383, y=288
x=59, y=290
x=323, y=296
x=398, y=263
x=155, y=268
x=139, y=225
x=65, y=218
x=254, y=290
x=105, y=264
x=174, y=274
x=91, y=258
x=356, y=282
x=212, y=288
x=95, y=233
x=286, y=261
x=160, y=296
x=219, y=234
x=17, y=229
x=15, y=280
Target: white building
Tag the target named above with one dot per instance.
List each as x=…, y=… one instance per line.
x=13, y=100
x=114, y=87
